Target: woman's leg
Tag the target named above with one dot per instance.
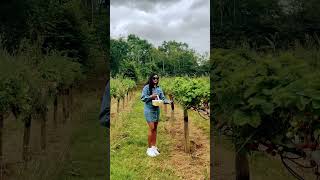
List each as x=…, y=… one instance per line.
x=150, y=134
x=155, y=134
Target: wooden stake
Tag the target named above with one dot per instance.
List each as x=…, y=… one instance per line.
x=43, y=130
x=242, y=166
x=55, y=111
x=26, y=138
x=186, y=130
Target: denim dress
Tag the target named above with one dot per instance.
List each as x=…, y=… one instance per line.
x=151, y=113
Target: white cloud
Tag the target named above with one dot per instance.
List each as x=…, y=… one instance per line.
x=157, y=21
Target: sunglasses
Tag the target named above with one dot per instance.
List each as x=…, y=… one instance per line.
x=154, y=78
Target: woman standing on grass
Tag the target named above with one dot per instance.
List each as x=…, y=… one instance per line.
x=152, y=91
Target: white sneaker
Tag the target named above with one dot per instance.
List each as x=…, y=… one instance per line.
x=155, y=149
x=150, y=152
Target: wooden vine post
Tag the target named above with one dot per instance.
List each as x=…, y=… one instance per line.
x=1, y=140
x=55, y=112
x=68, y=102
x=165, y=109
x=186, y=130
x=71, y=99
x=26, y=138
x=242, y=165
x=172, y=106
x=64, y=107
x=127, y=97
x=118, y=105
x=43, y=130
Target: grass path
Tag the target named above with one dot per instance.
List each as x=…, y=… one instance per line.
x=129, y=144
x=87, y=157
x=262, y=166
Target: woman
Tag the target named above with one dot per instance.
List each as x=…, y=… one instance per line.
x=152, y=91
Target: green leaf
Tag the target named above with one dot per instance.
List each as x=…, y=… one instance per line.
x=267, y=92
x=240, y=118
x=255, y=120
x=267, y=108
x=301, y=104
x=316, y=104
x=305, y=100
x=256, y=101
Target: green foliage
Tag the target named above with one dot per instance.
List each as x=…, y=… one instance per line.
x=60, y=71
x=64, y=26
x=20, y=85
x=119, y=87
x=137, y=58
x=14, y=18
x=265, y=24
x=118, y=50
x=46, y=47
x=263, y=94
x=190, y=92
x=27, y=85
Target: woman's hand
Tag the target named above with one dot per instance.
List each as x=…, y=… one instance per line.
x=153, y=96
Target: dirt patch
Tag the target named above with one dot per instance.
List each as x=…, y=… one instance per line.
x=196, y=164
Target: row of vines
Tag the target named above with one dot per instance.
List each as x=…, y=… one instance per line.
x=191, y=93
x=121, y=89
x=270, y=103
x=29, y=83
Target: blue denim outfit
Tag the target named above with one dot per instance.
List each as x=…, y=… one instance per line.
x=151, y=113
x=104, y=116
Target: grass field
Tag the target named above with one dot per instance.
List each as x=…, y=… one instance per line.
x=129, y=143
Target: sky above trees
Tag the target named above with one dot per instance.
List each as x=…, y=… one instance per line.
x=157, y=21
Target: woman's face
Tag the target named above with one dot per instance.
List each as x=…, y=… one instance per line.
x=155, y=79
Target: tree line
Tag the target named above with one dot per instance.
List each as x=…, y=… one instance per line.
x=135, y=57
x=77, y=29
x=265, y=24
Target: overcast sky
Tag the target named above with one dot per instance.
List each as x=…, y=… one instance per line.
x=163, y=20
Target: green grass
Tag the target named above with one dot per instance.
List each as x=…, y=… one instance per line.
x=129, y=145
x=88, y=148
x=262, y=166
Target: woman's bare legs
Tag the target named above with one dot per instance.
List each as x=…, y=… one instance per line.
x=151, y=134
x=155, y=134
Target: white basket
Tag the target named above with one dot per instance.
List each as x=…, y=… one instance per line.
x=157, y=102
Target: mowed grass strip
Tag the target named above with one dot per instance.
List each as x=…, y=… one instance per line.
x=129, y=145
x=88, y=147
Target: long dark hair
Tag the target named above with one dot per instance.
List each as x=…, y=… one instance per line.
x=150, y=82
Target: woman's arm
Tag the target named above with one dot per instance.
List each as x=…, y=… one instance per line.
x=144, y=96
x=162, y=97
